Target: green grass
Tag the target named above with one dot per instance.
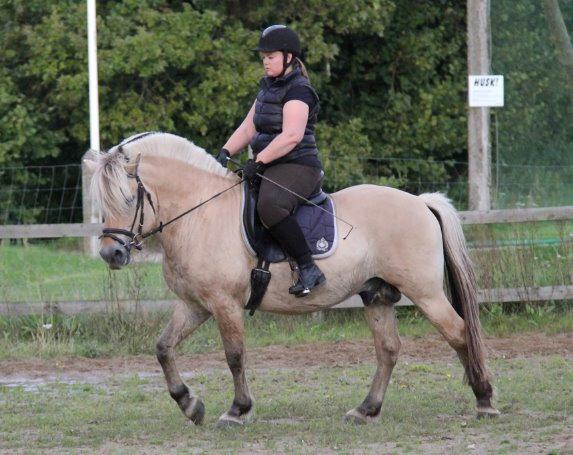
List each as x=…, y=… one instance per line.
x=541, y=230
x=48, y=273
x=54, y=271
x=133, y=334
x=427, y=409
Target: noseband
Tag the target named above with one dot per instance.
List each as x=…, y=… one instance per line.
x=137, y=238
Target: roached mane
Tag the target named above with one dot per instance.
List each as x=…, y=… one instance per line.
x=110, y=183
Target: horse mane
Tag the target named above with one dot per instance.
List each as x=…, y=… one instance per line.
x=110, y=182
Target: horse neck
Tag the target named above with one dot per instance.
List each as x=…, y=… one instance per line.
x=180, y=186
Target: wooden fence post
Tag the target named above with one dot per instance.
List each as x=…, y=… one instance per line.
x=479, y=150
x=91, y=215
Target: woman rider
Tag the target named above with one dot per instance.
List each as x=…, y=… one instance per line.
x=280, y=130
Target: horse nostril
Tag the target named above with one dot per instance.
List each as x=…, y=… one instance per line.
x=118, y=253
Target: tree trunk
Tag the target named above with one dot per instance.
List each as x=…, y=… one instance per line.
x=561, y=39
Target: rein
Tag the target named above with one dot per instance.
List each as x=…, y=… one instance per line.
x=138, y=237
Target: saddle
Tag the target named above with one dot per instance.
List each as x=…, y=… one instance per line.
x=318, y=227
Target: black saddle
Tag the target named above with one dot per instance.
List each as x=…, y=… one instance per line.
x=318, y=226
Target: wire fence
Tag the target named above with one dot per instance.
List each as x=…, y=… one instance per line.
x=56, y=270
x=531, y=134
x=53, y=194
x=41, y=194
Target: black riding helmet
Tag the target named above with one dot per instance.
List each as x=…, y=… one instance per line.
x=280, y=38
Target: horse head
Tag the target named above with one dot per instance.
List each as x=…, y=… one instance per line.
x=126, y=204
x=124, y=183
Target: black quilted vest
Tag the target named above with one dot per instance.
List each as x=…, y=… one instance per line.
x=268, y=118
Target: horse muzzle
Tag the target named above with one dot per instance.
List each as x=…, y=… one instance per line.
x=116, y=255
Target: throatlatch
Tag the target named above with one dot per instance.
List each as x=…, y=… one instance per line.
x=260, y=278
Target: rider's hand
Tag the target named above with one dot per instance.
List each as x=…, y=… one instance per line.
x=223, y=157
x=251, y=169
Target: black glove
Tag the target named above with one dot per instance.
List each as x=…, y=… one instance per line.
x=223, y=156
x=251, y=169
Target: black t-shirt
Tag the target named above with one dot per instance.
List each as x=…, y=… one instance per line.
x=301, y=93
x=304, y=94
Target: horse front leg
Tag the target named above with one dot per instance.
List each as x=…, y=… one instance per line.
x=381, y=318
x=185, y=319
x=231, y=326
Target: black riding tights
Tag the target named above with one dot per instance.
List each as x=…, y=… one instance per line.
x=276, y=205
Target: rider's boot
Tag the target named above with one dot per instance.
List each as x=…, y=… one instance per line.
x=309, y=276
x=289, y=235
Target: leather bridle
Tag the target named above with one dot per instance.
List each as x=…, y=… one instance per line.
x=136, y=238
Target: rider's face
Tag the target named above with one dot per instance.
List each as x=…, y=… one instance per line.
x=273, y=62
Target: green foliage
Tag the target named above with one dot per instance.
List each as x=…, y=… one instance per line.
x=188, y=69
x=391, y=76
x=534, y=127
x=342, y=147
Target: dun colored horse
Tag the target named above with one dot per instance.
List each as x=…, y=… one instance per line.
x=400, y=242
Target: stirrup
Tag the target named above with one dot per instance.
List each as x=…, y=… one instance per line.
x=300, y=290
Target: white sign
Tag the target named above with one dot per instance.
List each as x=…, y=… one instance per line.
x=485, y=91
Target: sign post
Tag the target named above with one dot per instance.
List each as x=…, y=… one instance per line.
x=479, y=151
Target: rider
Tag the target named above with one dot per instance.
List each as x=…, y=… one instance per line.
x=280, y=130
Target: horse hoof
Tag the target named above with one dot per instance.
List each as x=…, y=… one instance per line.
x=488, y=412
x=198, y=412
x=354, y=417
x=227, y=421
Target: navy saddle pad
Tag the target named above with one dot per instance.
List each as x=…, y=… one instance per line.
x=318, y=227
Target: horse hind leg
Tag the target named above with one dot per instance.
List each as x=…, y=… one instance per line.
x=185, y=319
x=381, y=318
x=443, y=316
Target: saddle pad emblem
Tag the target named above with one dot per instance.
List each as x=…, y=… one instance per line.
x=317, y=224
x=322, y=245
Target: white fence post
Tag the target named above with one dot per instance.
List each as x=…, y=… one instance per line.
x=91, y=215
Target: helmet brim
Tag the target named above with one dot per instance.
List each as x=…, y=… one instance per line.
x=266, y=49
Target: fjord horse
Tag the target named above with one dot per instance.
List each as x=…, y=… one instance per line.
x=400, y=242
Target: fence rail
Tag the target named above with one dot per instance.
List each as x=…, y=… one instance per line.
x=524, y=294
x=70, y=308
x=27, y=231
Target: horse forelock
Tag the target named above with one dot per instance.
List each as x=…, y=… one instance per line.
x=110, y=184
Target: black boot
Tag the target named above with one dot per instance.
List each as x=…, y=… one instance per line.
x=309, y=276
x=289, y=235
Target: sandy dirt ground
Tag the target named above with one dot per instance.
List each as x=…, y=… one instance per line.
x=428, y=348
x=31, y=373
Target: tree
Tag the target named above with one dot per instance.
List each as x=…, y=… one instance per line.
x=391, y=77
x=562, y=41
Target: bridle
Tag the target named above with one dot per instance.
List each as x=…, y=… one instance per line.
x=136, y=238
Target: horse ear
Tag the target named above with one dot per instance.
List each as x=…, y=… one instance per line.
x=90, y=160
x=131, y=167
x=90, y=165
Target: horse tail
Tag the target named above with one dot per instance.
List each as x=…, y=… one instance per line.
x=461, y=281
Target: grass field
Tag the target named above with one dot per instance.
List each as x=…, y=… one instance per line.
x=50, y=273
x=116, y=333
x=57, y=271
x=72, y=406
x=298, y=410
